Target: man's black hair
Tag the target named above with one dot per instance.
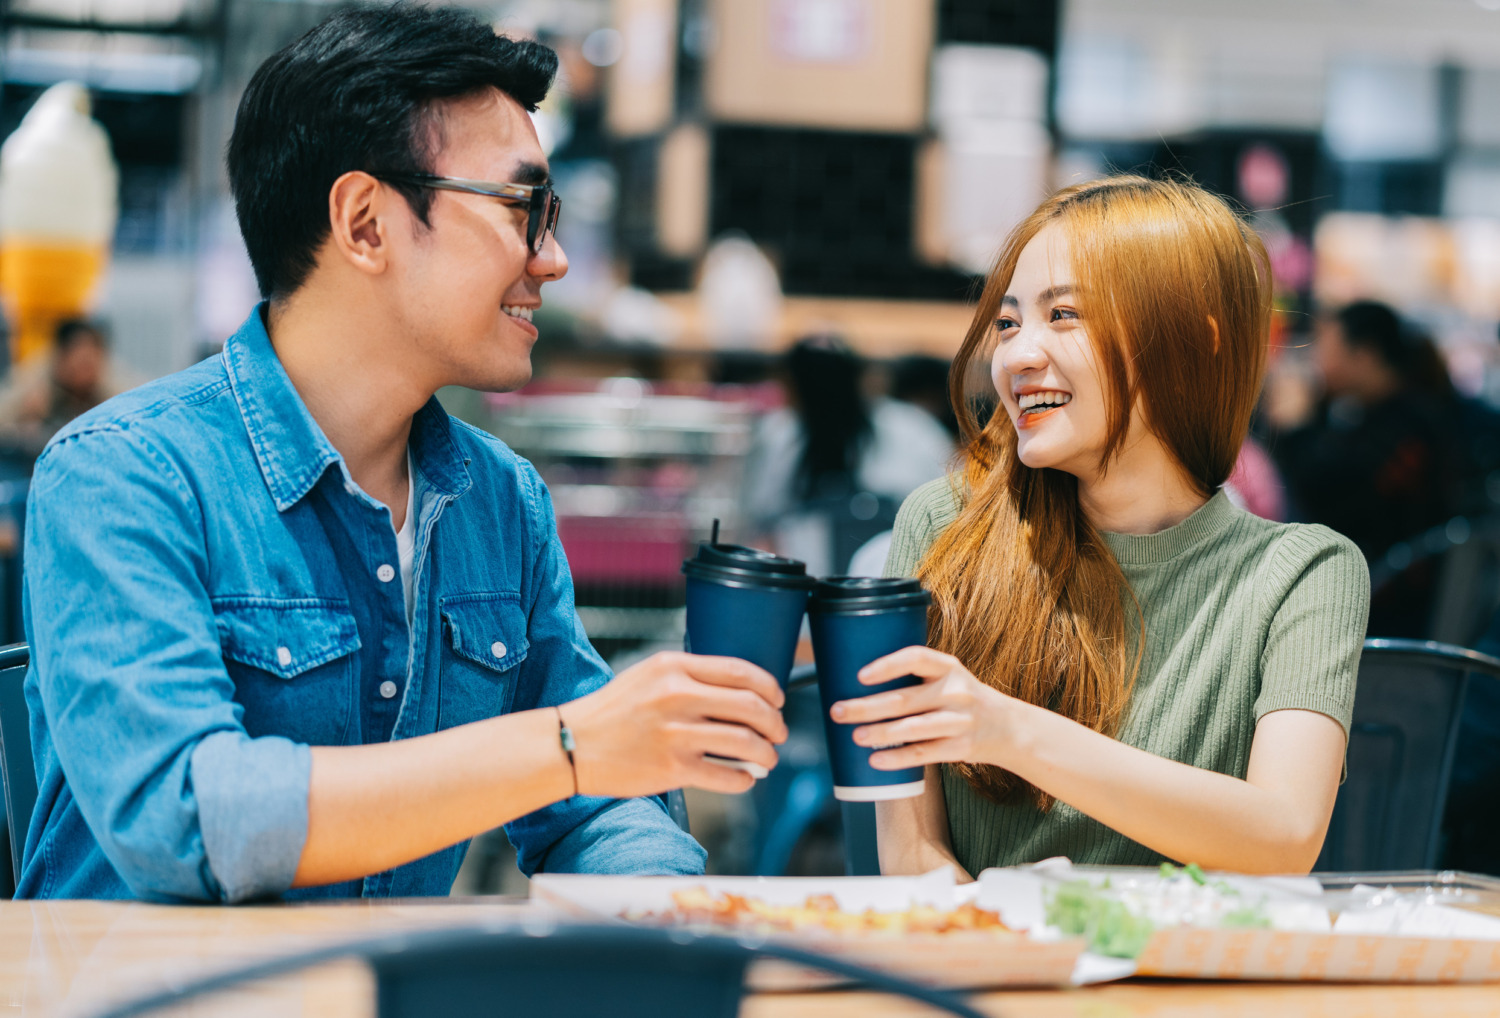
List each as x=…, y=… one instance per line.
x=357, y=93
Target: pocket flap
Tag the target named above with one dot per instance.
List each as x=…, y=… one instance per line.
x=285, y=638
x=487, y=629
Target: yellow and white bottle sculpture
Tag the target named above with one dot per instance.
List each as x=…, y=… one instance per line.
x=58, y=203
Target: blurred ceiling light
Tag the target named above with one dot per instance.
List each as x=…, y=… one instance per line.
x=103, y=61
x=1382, y=110
x=603, y=47
x=110, y=12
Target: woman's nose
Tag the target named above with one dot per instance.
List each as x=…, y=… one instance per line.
x=1021, y=354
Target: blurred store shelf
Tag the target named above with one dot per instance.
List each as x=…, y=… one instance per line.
x=637, y=472
x=875, y=328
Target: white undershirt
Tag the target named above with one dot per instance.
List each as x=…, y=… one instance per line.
x=406, y=539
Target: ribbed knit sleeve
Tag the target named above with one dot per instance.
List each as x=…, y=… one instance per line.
x=922, y=518
x=1317, y=628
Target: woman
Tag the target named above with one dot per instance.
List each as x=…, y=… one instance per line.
x=1126, y=667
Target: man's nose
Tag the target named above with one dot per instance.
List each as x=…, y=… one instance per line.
x=550, y=263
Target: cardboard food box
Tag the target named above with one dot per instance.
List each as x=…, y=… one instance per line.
x=1396, y=928
x=955, y=960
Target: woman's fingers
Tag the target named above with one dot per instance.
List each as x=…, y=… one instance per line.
x=923, y=662
x=918, y=754
x=894, y=703
x=921, y=728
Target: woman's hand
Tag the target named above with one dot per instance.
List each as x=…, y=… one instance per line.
x=950, y=717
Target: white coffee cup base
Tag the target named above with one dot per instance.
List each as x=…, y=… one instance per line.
x=878, y=793
x=755, y=770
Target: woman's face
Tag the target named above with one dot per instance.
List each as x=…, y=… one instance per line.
x=1045, y=367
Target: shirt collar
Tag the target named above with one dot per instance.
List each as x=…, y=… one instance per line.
x=290, y=447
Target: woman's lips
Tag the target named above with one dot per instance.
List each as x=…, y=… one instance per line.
x=1032, y=418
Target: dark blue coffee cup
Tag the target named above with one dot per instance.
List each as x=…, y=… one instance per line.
x=746, y=603
x=856, y=620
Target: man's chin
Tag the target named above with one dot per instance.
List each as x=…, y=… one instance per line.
x=490, y=379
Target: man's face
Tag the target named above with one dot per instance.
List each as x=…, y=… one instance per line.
x=466, y=287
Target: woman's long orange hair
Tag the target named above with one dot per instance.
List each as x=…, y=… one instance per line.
x=1174, y=291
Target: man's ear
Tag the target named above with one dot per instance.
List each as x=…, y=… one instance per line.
x=359, y=208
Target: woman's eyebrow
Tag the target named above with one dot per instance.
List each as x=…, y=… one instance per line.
x=1010, y=302
x=1051, y=294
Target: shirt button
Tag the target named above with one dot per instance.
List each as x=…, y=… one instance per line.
x=387, y=689
x=385, y=573
x=497, y=648
x=283, y=656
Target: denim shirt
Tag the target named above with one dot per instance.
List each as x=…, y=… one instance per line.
x=208, y=594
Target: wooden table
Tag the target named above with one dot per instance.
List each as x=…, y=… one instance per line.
x=74, y=957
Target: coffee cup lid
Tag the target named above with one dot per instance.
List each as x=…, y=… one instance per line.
x=866, y=593
x=735, y=562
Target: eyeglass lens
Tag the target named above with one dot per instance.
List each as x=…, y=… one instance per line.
x=541, y=219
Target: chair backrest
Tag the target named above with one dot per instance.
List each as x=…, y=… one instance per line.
x=559, y=971
x=1468, y=587
x=1389, y=812
x=17, y=768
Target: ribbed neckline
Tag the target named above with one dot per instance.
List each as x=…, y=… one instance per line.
x=1207, y=522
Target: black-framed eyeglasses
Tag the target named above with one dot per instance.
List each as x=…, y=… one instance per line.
x=543, y=206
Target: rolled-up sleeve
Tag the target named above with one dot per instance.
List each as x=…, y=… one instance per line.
x=138, y=705
x=583, y=834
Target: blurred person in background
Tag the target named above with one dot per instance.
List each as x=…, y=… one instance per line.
x=828, y=471
x=922, y=381
x=47, y=392
x=294, y=629
x=1379, y=454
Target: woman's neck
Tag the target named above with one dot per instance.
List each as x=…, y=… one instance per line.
x=1143, y=492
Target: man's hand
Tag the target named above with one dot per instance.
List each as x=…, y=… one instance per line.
x=648, y=730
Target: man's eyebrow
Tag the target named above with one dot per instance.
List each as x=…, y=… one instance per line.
x=534, y=174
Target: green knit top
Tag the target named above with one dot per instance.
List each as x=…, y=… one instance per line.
x=1242, y=617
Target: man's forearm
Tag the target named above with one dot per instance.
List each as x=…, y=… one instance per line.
x=373, y=807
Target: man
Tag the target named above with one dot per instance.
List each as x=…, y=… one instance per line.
x=293, y=628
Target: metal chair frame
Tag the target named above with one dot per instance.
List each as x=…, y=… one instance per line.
x=461, y=971
x=17, y=765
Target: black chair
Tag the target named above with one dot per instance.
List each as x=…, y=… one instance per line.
x=1410, y=697
x=17, y=768
x=561, y=971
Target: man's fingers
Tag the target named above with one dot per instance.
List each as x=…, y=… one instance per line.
x=733, y=672
x=713, y=777
x=733, y=741
x=742, y=707
x=923, y=662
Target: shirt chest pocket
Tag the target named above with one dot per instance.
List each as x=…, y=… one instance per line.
x=294, y=666
x=484, y=643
